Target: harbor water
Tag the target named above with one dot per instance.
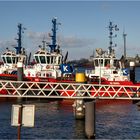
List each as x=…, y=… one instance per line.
x=55, y=120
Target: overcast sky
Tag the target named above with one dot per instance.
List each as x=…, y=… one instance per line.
x=83, y=25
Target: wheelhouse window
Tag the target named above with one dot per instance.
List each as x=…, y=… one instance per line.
x=9, y=60
x=101, y=62
x=107, y=62
x=116, y=62
x=96, y=62
x=42, y=59
x=48, y=59
x=4, y=60
x=37, y=59
x=14, y=60
x=54, y=59
x=59, y=60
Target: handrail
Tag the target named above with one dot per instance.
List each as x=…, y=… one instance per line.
x=67, y=90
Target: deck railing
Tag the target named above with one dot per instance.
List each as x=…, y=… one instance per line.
x=67, y=90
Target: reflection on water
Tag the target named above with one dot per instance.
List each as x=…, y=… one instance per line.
x=79, y=129
x=55, y=120
x=119, y=121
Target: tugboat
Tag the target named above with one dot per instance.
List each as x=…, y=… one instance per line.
x=10, y=58
x=49, y=62
x=107, y=68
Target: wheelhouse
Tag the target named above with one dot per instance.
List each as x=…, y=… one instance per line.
x=43, y=57
x=105, y=62
x=12, y=58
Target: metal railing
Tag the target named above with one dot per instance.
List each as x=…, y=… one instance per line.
x=67, y=90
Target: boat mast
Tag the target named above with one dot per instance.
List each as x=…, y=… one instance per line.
x=44, y=43
x=124, y=37
x=53, y=36
x=111, y=28
x=20, y=31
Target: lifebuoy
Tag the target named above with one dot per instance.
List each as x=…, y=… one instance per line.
x=47, y=67
x=38, y=74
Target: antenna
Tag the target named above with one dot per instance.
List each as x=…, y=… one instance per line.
x=124, y=37
x=44, y=43
x=19, y=41
x=53, y=36
x=112, y=28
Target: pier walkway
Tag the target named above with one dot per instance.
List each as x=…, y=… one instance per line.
x=67, y=90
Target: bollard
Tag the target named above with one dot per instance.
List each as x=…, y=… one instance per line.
x=90, y=119
x=79, y=107
x=80, y=78
x=19, y=77
x=132, y=72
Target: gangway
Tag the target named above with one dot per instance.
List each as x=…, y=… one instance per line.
x=67, y=90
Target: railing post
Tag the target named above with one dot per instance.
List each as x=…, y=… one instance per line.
x=132, y=72
x=90, y=119
x=19, y=76
x=20, y=71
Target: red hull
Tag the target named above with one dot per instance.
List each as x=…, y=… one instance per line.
x=70, y=90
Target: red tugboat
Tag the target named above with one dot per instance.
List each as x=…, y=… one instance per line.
x=8, y=69
x=107, y=68
x=49, y=62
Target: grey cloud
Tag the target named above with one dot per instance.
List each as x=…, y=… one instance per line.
x=66, y=42
x=37, y=36
x=75, y=42
x=7, y=44
x=76, y=46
